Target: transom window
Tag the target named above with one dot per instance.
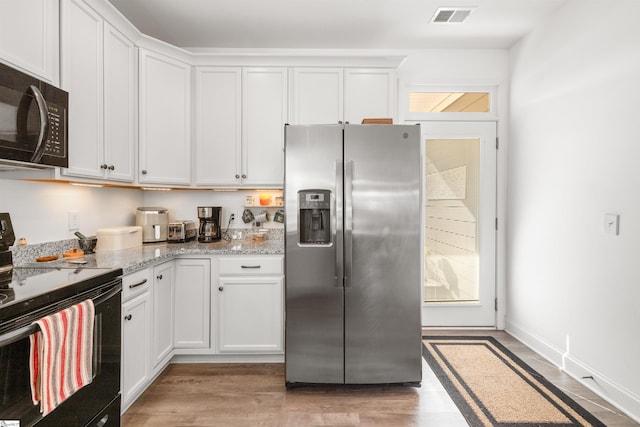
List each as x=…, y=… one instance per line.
x=449, y=102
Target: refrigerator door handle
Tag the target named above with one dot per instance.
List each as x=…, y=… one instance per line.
x=338, y=229
x=348, y=222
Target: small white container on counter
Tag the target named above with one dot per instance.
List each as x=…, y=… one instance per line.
x=118, y=238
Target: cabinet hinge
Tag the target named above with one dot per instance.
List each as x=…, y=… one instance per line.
x=497, y=142
x=496, y=223
x=496, y=304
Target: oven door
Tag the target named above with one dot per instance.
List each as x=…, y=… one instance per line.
x=88, y=402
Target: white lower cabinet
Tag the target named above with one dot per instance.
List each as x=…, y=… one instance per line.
x=216, y=308
x=249, y=314
x=192, y=304
x=136, y=335
x=135, y=350
x=163, y=294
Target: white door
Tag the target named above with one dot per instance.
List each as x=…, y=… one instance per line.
x=459, y=224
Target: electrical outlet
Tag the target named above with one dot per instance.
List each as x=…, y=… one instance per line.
x=73, y=220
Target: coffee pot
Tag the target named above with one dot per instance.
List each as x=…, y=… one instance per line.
x=209, y=230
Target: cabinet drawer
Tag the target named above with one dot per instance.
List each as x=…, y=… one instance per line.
x=251, y=265
x=135, y=283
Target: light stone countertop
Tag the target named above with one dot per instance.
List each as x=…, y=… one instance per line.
x=140, y=257
x=134, y=259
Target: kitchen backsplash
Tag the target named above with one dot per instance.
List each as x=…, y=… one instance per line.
x=40, y=211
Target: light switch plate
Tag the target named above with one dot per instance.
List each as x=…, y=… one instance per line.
x=612, y=224
x=73, y=220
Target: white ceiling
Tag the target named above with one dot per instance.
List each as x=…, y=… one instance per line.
x=333, y=24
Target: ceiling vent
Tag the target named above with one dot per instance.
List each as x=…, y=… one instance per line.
x=451, y=15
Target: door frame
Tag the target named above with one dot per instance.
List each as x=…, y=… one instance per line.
x=470, y=314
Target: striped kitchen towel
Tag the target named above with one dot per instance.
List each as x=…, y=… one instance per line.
x=60, y=360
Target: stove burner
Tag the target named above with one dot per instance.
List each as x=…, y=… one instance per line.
x=6, y=295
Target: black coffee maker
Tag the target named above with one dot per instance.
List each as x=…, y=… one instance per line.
x=209, y=230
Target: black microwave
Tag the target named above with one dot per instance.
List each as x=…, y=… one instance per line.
x=33, y=121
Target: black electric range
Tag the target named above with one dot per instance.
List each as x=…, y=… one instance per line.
x=32, y=292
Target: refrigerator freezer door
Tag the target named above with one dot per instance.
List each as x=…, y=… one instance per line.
x=314, y=285
x=383, y=215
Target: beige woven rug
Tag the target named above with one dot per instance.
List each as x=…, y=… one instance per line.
x=492, y=387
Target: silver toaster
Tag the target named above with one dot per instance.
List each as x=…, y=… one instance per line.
x=181, y=231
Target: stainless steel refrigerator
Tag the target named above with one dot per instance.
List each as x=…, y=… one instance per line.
x=353, y=254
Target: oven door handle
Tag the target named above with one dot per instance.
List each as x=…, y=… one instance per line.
x=102, y=298
x=25, y=331
x=18, y=334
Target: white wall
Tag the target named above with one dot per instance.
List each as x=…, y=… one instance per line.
x=455, y=66
x=39, y=210
x=574, y=144
x=184, y=205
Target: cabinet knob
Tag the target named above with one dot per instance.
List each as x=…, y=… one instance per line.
x=237, y=176
x=112, y=167
x=143, y=171
x=221, y=288
x=159, y=277
x=128, y=317
x=244, y=176
x=103, y=166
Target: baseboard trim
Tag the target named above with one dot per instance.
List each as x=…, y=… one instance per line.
x=536, y=343
x=622, y=399
x=228, y=358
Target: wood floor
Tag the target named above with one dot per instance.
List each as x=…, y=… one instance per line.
x=255, y=395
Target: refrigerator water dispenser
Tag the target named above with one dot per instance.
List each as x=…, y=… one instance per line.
x=315, y=217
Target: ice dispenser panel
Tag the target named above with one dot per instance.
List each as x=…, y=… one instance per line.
x=315, y=217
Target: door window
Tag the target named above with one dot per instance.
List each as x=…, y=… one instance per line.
x=451, y=219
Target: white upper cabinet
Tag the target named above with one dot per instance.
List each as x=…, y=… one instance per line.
x=317, y=96
x=335, y=95
x=165, y=119
x=29, y=37
x=218, y=125
x=368, y=93
x=82, y=72
x=239, y=121
x=264, y=114
x=98, y=71
x=120, y=88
